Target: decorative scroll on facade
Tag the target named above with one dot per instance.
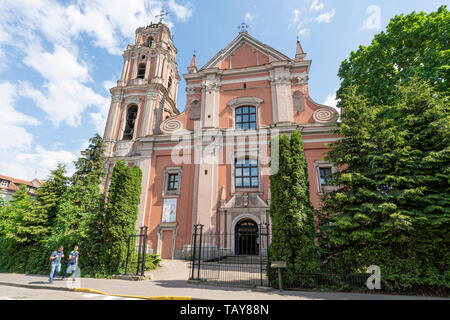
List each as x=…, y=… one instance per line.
x=324, y=115
x=170, y=126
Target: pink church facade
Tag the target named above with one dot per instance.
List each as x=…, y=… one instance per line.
x=209, y=164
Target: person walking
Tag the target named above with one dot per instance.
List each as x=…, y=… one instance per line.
x=72, y=264
x=55, y=266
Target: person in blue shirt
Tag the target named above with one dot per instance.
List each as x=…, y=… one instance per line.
x=72, y=263
x=55, y=259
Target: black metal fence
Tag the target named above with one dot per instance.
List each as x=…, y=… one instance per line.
x=240, y=259
x=328, y=278
x=136, y=250
x=232, y=259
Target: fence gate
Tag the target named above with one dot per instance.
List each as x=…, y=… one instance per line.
x=232, y=259
x=136, y=250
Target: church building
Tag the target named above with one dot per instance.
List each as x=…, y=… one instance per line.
x=209, y=164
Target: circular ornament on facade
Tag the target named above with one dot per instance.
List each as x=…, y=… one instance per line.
x=324, y=115
x=170, y=126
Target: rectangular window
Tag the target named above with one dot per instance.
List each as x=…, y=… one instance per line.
x=141, y=71
x=4, y=183
x=246, y=173
x=325, y=176
x=246, y=118
x=172, y=182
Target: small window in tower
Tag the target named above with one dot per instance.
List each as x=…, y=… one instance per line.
x=149, y=41
x=169, y=84
x=245, y=85
x=141, y=71
x=130, y=121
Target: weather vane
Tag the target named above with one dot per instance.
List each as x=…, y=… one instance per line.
x=162, y=15
x=243, y=27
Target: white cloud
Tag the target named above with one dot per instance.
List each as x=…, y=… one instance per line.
x=11, y=121
x=64, y=95
x=293, y=21
x=305, y=15
x=183, y=13
x=326, y=17
x=9, y=94
x=18, y=157
x=36, y=162
x=331, y=101
x=316, y=6
x=111, y=23
x=249, y=17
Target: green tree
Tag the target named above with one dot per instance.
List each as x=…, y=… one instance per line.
x=291, y=212
x=80, y=212
x=48, y=196
x=392, y=207
x=90, y=166
x=121, y=214
x=19, y=224
x=416, y=44
x=21, y=229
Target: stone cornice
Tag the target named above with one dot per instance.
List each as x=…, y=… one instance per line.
x=309, y=129
x=249, y=70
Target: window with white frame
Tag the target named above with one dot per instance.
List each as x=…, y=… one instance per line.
x=4, y=183
x=245, y=118
x=246, y=173
x=325, y=172
x=172, y=179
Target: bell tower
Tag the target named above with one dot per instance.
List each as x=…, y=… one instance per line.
x=146, y=92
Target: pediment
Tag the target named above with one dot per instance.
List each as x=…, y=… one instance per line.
x=245, y=200
x=245, y=51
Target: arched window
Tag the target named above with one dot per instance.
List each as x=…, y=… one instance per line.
x=169, y=84
x=149, y=42
x=246, y=173
x=141, y=71
x=130, y=122
x=246, y=118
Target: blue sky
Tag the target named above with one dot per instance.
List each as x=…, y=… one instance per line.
x=58, y=59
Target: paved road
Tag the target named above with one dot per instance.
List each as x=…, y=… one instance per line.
x=16, y=293
x=169, y=280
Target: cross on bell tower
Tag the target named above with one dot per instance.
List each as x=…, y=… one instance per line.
x=243, y=27
x=162, y=15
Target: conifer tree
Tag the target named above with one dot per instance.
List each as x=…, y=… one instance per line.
x=19, y=224
x=121, y=214
x=49, y=195
x=81, y=210
x=392, y=207
x=291, y=211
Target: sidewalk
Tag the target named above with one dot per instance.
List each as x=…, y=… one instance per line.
x=171, y=280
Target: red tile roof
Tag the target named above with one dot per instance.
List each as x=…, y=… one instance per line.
x=14, y=183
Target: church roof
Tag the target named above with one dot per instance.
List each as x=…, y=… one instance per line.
x=244, y=37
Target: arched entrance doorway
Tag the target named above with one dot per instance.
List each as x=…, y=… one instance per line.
x=246, y=240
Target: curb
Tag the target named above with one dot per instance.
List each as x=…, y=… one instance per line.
x=89, y=290
x=33, y=286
